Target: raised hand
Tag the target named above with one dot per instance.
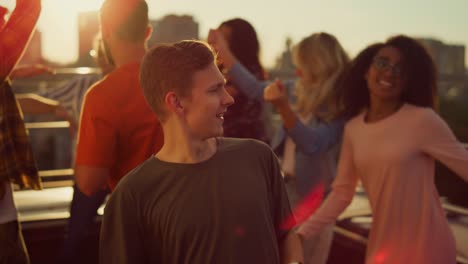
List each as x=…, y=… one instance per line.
x=276, y=94
x=220, y=45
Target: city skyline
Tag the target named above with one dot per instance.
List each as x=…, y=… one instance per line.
x=355, y=23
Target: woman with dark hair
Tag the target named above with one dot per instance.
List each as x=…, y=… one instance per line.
x=390, y=144
x=244, y=119
x=305, y=105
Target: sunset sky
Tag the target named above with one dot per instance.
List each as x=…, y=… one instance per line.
x=355, y=23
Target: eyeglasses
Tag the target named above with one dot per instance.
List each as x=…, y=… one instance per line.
x=382, y=64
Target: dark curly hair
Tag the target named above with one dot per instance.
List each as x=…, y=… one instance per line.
x=419, y=72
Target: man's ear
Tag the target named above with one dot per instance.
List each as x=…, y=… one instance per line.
x=148, y=32
x=173, y=103
x=104, y=30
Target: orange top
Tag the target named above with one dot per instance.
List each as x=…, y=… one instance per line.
x=118, y=130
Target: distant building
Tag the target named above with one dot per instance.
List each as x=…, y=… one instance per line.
x=450, y=63
x=173, y=28
x=284, y=67
x=33, y=53
x=88, y=28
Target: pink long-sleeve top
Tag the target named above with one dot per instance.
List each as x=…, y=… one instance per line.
x=394, y=159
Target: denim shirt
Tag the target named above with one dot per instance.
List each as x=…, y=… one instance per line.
x=317, y=145
x=315, y=141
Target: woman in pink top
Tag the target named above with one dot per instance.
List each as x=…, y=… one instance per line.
x=391, y=144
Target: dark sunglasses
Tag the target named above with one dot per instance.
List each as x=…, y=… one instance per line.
x=383, y=64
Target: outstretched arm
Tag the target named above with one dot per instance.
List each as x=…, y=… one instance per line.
x=441, y=144
x=239, y=75
x=36, y=105
x=15, y=35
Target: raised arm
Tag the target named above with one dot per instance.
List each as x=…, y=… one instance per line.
x=245, y=81
x=342, y=193
x=310, y=140
x=439, y=142
x=15, y=34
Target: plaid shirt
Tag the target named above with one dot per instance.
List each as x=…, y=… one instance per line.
x=17, y=164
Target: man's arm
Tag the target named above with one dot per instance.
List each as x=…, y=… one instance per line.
x=91, y=179
x=289, y=244
x=96, y=148
x=291, y=249
x=122, y=237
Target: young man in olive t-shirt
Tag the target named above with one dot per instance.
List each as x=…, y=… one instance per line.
x=202, y=198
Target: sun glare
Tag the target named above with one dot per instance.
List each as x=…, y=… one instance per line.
x=59, y=24
x=69, y=9
x=75, y=5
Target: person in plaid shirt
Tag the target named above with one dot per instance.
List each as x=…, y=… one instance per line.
x=16, y=161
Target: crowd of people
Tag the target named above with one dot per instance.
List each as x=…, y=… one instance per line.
x=177, y=134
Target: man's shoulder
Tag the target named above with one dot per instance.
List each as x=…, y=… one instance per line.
x=140, y=175
x=114, y=83
x=245, y=147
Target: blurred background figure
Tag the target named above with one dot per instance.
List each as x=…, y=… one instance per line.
x=320, y=62
x=17, y=164
x=117, y=130
x=66, y=102
x=245, y=118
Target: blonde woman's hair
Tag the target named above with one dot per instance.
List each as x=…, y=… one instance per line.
x=322, y=61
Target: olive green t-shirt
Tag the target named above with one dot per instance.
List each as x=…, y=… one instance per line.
x=227, y=209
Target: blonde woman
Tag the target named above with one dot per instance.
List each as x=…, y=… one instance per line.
x=311, y=125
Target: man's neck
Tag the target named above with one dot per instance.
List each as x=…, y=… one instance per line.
x=124, y=53
x=181, y=147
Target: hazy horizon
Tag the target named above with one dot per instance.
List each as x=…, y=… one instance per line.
x=355, y=23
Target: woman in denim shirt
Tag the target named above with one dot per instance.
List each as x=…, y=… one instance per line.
x=310, y=135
